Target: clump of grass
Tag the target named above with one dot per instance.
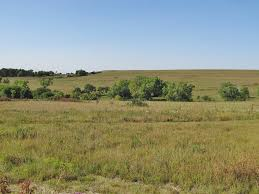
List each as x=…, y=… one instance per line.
x=24, y=133
x=137, y=102
x=205, y=98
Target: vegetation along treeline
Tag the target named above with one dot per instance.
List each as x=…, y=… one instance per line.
x=10, y=72
x=140, y=88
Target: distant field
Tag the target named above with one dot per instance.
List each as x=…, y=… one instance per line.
x=207, y=82
x=110, y=147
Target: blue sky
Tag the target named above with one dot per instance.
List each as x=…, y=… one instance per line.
x=66, y=35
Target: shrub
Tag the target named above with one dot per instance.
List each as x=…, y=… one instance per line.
x=89, y=88
x=103, y=90
x=146, y=88
x=205, y=98
x=42, y=93
x=76, y=93
x=90, y=96
x=46, y=82
x=57, y=95
x=230, y=92
x=15, y=91
x=244, y=93
x=120, y=88
x=178, y=91
x=1, y=79
x=6, y=81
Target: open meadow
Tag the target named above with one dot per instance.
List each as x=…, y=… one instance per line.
x=109, y=146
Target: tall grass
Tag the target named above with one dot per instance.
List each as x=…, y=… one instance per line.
x=110, y=146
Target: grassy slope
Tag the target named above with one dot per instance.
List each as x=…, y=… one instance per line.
x=207, y=81
x=109, y=147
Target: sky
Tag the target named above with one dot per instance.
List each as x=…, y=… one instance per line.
x=65, y=35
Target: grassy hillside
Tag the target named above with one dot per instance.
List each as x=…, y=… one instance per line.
x=207, y=82
x=110, y=147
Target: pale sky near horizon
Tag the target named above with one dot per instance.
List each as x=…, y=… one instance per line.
x=65, y=35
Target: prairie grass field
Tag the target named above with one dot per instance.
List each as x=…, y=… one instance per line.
x=109, y=146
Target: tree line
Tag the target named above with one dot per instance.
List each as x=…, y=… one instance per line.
x=141, y=88
x=10, y=72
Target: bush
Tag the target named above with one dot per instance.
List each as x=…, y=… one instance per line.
x=57, y=95
x=120, y=88
x=42, y=93
x=146, y=88
x=6, y=81
x=178, y=91
x=230, y=92
x=15, y=91
x=103, y=90
x=89, y=88
x=244, y=93
x=205, y=98
x=76, y=93
x=46, y=82
x=90, y=96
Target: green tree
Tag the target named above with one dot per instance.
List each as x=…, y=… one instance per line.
x=178, y=91
x=146, y=87
x=81, y=72
x=121, y=89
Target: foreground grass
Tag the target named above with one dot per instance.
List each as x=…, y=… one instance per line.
x=109, y=147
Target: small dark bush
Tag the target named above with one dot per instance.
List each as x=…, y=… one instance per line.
x=76, y=93
x=205, y=98
x=41, y=93
x=244, y=93
x=6, y=81
x=103, y=90
x=90, y=96
x=57, y=95
x=89, y=88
